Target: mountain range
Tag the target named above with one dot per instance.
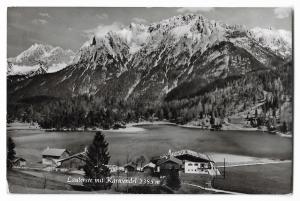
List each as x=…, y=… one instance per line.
x=39, y=58
x=172, y=59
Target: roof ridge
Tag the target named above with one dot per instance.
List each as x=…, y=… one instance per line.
x=77, y=154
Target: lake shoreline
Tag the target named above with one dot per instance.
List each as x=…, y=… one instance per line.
x=134, y=128
x=229, y=127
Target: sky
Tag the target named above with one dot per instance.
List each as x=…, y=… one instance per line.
x=70, y=27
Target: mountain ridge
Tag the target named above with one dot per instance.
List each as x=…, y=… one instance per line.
x=165, y=55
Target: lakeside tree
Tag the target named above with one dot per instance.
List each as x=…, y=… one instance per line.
x=11, y=154
x=95, y=167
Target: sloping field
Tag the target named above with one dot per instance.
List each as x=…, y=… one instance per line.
x=257, y=179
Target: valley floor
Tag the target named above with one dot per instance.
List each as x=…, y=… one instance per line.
x=252, y=159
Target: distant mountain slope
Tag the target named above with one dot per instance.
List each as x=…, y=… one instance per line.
x=51, y=58
x=279, y=41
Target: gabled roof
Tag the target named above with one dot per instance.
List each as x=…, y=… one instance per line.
x=18, y=159
x=171, y=159
x=131, y=164
x=186, y=154
x=53, y=152
x=81, y=155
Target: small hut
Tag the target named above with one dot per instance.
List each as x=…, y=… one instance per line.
x=149, y=168
x=19, y=162
x=166, y=165
x=130, y=167
x=50, y=156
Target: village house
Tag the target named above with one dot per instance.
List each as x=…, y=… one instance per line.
x=51, y=156
x=130, y=167
x=19, y=162
x=59, y=159
x=166, y=165
x=73, y=162
x=149, y=168
x=194, y=163
x=115, y=168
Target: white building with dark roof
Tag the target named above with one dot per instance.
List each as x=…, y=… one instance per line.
x=194, y=162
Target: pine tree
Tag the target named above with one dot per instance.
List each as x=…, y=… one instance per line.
x=97, y=158
x=10, y=152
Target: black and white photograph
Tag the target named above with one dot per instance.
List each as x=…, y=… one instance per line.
x=150, y=100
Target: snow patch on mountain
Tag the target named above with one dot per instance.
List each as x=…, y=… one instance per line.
x=22, y=70
x=137, y=81
x=279, y=41
x=56, y=67
x=51, y=58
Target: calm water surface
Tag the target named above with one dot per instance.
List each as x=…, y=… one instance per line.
x=155, y=140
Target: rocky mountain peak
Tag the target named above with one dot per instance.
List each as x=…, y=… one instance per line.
x=50, y=56
x=147, y=62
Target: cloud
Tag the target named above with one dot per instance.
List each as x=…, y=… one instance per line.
x=45, y=15
x=195, y=9
x=139, y=20
x=102, y=16
x=39, y=21
x=101, y=30
x=135, y=39
x=281, y=13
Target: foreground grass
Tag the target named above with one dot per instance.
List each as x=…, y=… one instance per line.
x=19, y=182
x=40, y=182
x=257, y=179
x=49, y=183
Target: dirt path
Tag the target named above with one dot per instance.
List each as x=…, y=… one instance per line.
x=258, y=163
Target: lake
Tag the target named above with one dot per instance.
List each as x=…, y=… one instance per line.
x=156, y=140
